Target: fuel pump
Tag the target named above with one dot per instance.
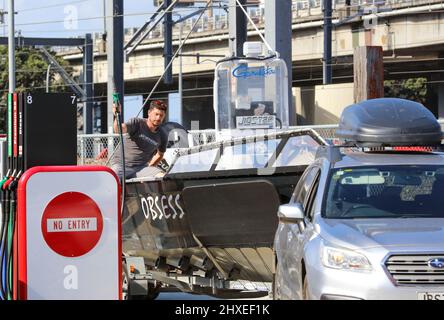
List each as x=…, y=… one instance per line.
x=59, y=221
x=8, y=191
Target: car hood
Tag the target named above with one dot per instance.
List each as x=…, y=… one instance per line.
x=366, y=233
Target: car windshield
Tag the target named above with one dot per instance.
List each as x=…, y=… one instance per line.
x=385, y=192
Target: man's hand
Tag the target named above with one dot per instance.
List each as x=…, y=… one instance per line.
x=156, y=159
x=115, y=124
x=117, y=109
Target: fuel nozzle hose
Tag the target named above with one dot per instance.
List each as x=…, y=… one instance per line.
x=12, y=229
x=4, y=224
x=8, y=187
x=118, y=115
x=5, y=235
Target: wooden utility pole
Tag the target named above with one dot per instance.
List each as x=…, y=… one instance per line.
x=368, y=70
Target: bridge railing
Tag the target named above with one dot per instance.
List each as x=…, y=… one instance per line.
x=300, y=8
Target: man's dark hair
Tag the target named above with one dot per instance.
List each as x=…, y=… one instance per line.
x=158, y=104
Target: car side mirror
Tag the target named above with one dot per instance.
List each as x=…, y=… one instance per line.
x=291, y=213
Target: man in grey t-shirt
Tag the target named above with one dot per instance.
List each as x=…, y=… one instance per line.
x=144, y=144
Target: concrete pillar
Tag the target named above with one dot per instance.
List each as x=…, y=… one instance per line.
x=88, y=86
x=440, y=88
x=168, y=43
x=237, y=26
x=326, y=63
x=278, y=34
x=114, y=49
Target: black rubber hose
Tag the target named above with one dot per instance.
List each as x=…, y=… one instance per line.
x=280, y=122
x=122, y=151
x=2, y=243
x=9, y=274
x=3, y=267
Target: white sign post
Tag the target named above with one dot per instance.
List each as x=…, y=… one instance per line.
x=69, y=234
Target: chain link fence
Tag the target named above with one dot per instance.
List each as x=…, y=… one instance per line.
x=96, y=149
x=202, y=137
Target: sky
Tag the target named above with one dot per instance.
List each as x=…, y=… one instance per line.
x=75, y=18
x=70, y=18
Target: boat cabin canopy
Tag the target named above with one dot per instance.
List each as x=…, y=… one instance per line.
x=250, y=96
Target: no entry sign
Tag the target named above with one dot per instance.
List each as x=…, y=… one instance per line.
x=69, y=234
x=72, y=224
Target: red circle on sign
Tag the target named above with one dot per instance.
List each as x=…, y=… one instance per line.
x=72, y=224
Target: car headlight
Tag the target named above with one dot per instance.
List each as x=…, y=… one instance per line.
x=338, y=258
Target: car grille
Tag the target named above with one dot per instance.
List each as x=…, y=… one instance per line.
x=414, y=269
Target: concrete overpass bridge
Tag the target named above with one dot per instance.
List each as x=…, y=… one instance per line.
x=411, y=34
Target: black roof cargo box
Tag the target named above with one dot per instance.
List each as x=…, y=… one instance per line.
x=389, y=122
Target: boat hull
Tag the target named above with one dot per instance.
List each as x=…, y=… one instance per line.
x=227, y=222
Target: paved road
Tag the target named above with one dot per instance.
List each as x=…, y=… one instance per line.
x=187, y=296
x=183, y=296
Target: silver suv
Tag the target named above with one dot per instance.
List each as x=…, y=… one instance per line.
x=364, y=225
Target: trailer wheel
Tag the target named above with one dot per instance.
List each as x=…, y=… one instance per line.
x=125, y=282
x=153, y=290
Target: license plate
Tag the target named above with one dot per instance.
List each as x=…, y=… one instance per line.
x=430, y=295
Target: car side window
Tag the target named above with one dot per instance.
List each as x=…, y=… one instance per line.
x=312, y=197
x=297, y=189
x=305, y=185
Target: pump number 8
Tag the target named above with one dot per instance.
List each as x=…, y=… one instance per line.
x=29, y=99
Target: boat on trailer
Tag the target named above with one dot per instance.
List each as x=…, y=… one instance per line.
x=208, y=225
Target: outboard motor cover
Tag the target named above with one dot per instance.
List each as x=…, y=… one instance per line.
x=389, y=122
x=177, y=135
